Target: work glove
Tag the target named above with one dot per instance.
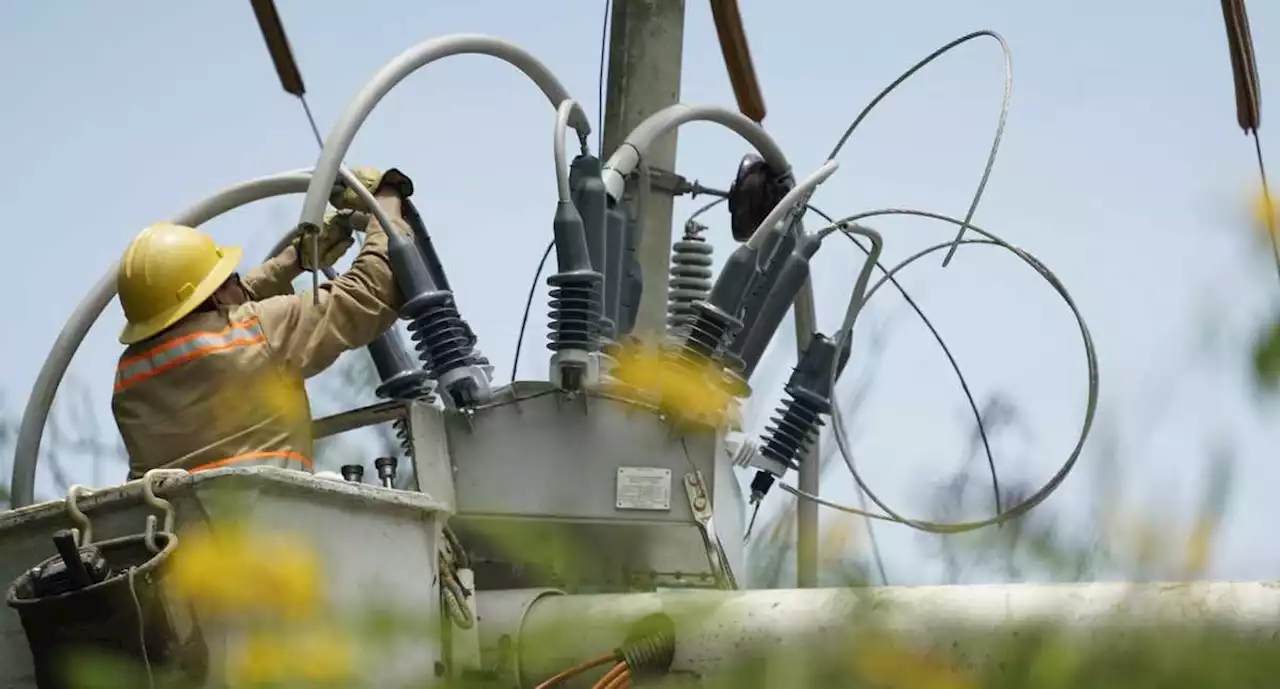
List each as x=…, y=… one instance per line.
x=374, y=180
x=334, y=240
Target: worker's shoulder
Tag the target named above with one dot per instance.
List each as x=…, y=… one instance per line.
x=278, y=315
x=248, y=311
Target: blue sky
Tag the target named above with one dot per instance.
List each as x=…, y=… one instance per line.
x=1122, y=169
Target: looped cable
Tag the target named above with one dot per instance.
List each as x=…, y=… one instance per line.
x=1090, y=408
x=995, y=143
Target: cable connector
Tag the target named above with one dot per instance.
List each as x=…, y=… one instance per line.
x=749, y=456
x=650, y=646
x=768, y=469
x=668, y=182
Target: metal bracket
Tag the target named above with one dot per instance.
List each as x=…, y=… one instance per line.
x=668, y=182
x=700, y=504
x=166, y=507
x=83, y=534
x=371, y=415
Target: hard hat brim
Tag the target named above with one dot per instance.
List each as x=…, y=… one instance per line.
x=137, y=332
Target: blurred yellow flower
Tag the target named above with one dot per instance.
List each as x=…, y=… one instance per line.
x=683, y=392
x=841, y=534
x=1199, y=543
x=240, y=571
x=1154, y=544
x=1265, y=216
x=638, y=366
x=279, y=396
x=275, y=657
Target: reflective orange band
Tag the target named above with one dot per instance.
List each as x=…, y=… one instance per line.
x=254, y=456
x=137, y=368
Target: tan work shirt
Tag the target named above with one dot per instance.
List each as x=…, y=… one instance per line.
x=226, y=388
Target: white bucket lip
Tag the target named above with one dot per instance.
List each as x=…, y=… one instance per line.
x=274, y=478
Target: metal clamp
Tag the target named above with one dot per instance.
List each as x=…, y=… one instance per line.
x=452, y=590
x=149, y=497
x=700, y=504
x=83, y=534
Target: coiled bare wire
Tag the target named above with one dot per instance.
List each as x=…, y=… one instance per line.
x=995, y=142
x=965, y=224
x=1052, y=484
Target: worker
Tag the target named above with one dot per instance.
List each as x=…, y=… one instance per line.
x=213, y=370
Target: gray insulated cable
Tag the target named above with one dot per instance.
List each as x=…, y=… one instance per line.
x=442, y=339
x=340, y=137
x=591, y=200
x=715, y=320
x=750, y=270
x=428, y=250
x=435, y=268
x=575, y=288
x=775, y=248
x=615, y=247
x=790, y=275
x=632, y=284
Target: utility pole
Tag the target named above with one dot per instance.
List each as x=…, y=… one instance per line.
x=646, y=42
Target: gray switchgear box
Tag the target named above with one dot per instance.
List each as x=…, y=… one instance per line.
x=585, y=492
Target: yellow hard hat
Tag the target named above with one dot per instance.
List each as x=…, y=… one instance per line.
x=167, y=271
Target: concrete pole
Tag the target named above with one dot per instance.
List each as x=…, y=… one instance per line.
x=810, y=478
x=646, y=42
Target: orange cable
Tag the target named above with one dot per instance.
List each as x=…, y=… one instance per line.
x=618, y=670
x=575, y=671
x=622, y=681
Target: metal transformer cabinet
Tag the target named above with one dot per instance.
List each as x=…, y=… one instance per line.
x=588, y=494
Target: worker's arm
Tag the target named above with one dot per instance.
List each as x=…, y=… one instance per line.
x=352, y=310
x=275, y=277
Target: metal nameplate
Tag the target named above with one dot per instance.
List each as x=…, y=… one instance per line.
x=643, y=488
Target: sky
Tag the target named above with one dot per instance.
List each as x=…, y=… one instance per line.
x=1122, y=169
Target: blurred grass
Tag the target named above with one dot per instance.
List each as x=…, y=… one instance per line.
x=280, y=648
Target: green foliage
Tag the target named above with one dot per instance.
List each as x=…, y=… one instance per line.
x=1266, y=357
